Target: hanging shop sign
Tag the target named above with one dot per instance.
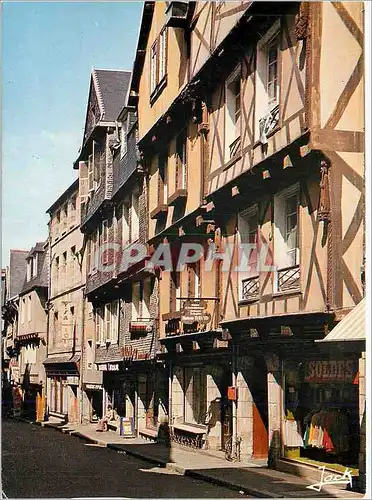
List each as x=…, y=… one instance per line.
x=330, y=371
x=195, y=311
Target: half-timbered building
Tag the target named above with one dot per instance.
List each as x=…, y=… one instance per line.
x=120, y=340
x=256, y=153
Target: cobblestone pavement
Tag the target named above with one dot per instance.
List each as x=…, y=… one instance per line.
x=39, y=462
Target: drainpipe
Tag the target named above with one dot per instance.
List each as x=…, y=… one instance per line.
x=82, y=359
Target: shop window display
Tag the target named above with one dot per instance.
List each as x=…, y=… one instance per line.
x=321, y=411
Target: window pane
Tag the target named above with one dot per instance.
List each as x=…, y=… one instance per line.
x=291, y=204
x=292, y=238
x=272, y=51
x=273, y=71
x=271, y=90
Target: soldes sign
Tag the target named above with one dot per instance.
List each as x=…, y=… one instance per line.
x=330, y=371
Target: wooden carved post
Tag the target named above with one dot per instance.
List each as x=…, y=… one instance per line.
x=324, y=208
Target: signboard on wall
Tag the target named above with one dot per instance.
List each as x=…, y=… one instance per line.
x=126, y=426
x=331, y=371
x=195, y=311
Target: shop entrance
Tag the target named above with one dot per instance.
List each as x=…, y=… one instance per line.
x=96, y=403
x=322, y=411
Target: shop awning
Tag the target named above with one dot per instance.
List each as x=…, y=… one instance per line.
x=61, y=360
x=351, y=328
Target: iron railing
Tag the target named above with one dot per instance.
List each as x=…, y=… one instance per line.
x=289, y=278
x=250, y=288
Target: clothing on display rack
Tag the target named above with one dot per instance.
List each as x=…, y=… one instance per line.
x=327, y=429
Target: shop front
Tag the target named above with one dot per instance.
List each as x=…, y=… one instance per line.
x=62, y=387
x=321, y=420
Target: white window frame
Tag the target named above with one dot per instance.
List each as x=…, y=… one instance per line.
x=29, y=308
x=135, y=216
x=136, y=300
x=73, y=205
x=154, y=66
x=162, y=54
x=232, y=121
x=146, y=296
x=182, y=160
x=243, y=218
x=262, y=105
x=91, y=172
x=105, y=240
x=158, y=60
x=23, y=310
x=281, y=258
x=111, y=322
x=35, y=265
x=99, y=324
x=29, y=269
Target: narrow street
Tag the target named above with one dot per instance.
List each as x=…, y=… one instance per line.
x=42, y=463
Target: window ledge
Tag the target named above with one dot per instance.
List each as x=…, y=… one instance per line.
x=159, y=211
x=158, y=90
x=244, y=302
x=232, y=161
x=178, y=196
x=295, y=291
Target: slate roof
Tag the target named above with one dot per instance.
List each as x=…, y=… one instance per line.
x=17, y=272
x=41, y=279
x=112, y=89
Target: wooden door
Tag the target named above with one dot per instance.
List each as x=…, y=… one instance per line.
x=260, y=435
x=258, y=387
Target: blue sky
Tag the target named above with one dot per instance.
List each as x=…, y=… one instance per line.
x=48, y=50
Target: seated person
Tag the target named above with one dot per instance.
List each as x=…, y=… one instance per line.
x=110, y=415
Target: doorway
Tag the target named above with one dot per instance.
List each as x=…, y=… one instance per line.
x=258, y=388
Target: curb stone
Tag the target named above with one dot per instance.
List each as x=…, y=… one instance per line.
x=232, y=486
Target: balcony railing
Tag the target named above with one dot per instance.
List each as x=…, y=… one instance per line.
x=197, y=314
x=250, y=288
x=289, y=279
x=235, y=147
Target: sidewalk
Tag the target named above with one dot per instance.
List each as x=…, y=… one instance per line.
x=252, y=478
